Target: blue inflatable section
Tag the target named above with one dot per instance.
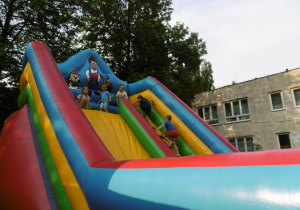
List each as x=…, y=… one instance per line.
x=80, y=63
x=210, y=140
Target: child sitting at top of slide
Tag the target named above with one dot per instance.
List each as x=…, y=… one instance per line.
x=170, y=132
x=105, y=98
x=121, y=93
x=145, y=106
x=83, y=98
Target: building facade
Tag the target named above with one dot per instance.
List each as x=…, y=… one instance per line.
x=259, y=114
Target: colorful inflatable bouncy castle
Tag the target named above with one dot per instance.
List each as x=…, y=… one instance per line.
x=54, y=155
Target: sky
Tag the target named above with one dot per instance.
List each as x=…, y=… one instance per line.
x=245, y=39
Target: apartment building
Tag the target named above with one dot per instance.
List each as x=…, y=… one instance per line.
x=259, y=114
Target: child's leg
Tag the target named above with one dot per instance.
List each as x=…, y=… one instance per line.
x=105, y=106
x=149, y=121
x=101, y=106
x=168, y=140
x=87, y=102
x=140, y=110
x=83, y=103
x=176, y=149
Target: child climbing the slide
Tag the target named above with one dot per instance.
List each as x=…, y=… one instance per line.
x=105, y=98
x=145, y=106
x=121, y=93
x=170, y=132
x=83, y=98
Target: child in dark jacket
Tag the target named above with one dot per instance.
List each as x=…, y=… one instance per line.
x=145, y=106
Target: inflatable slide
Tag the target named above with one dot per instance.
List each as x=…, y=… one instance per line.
x=55, y=155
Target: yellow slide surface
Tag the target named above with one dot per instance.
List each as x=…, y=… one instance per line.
x=116, y=135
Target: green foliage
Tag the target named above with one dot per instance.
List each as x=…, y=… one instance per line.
x=258, y=147
x=21, y=21
x=133, y=36
x=136, y=40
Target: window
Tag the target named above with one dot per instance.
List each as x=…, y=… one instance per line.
x=296, y=94
x=236, y=111
x=243, y=144
x=276, y=101
x=209, y=114
x=284, y=140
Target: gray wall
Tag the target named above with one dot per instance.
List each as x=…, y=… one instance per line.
x=264, y=123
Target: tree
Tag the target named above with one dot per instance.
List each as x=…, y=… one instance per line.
x=206, y=75
x=185, y=52
x=21, y=21
x=130, y=36
x=136, y=41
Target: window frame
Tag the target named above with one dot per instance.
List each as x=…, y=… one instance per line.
x=210, y=113
x=240, y=109
x=245, y=143
x=277, y=135
x=293, y=94
x=271, y=104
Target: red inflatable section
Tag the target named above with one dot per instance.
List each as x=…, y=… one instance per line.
x=76, y=121
x=21, y=181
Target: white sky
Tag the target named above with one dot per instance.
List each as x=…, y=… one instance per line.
x=244, y=38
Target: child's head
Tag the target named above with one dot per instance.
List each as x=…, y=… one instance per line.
x=85, y=90
x=93, y=62
x=104, y=87
x=168, y=118
x=139, y=97
x=121, y=87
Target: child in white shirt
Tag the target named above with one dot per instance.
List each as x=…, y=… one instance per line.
x=121, y=93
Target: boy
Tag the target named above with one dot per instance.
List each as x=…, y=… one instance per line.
x=105, y=98
x=145, y=106
x=121, y=93
x=170, y=132
x=93, y=76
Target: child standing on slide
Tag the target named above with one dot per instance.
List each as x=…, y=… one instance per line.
x=105, y=98
x=121, y=93
x=170, y=132
x=83, y=98
x=145, y=106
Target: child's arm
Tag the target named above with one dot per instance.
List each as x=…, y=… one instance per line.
x=78, y=98
x=109, y=95
x=151, y=101
x=136, y=101
x=160, y=127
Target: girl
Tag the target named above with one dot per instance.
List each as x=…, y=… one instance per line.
x=83, y=99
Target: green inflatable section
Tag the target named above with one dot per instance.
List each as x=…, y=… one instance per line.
x=158, y=120
x=141, y=134
x=60, y=194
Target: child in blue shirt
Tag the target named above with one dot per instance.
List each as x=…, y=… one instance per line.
x=170, y=132
x=105, y=98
